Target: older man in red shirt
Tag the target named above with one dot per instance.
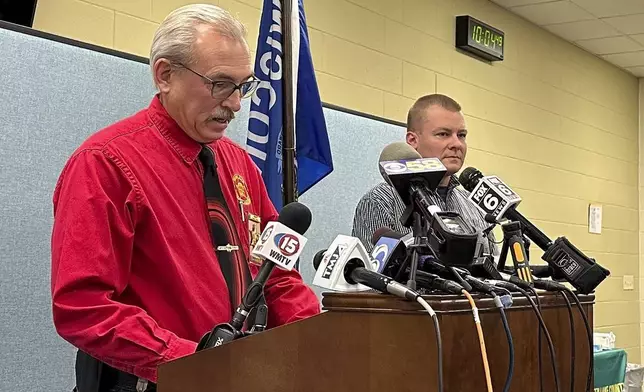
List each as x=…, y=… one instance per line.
x=156, y=214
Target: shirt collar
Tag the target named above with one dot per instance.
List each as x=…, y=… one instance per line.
x=183, y=144
x=453, y=182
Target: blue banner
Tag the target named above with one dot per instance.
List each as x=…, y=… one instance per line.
x=264, y=138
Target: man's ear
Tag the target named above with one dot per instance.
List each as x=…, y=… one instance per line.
x=412, y=139
x=162, y=72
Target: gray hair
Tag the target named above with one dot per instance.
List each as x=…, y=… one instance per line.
x=175, y=36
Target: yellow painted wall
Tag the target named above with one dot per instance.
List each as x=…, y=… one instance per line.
x=641, y=206
x=558, y=124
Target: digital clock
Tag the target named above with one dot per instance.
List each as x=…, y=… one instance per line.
x=479, y=38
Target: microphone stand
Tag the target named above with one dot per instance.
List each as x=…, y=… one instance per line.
x=227, y=332
x=419, y=242
x=483, y=265
x=411, y=217
x=526, y=243
x=513, y=238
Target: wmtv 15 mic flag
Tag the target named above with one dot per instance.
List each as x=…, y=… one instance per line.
x=329, y=273
x=280, y=244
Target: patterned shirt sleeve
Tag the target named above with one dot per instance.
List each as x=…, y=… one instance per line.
x=376, y=209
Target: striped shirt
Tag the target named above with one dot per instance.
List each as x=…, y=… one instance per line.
x=382, y=207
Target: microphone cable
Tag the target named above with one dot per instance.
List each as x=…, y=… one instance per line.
x=589, y=380
x=572, y=342
x=540, y=351
x=508, y=334
x=431, y=280
x=477, y=322
x=439, y=344
x=537, y=312
x=554, y=286
x=528, y=287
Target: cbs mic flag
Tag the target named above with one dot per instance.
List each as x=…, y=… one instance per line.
x=264, y=137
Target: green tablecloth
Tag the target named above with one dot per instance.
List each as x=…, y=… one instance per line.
x=610, y=369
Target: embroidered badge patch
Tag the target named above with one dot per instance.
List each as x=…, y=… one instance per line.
x=241, y=189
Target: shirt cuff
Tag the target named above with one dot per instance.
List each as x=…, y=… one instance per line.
x=178, y=348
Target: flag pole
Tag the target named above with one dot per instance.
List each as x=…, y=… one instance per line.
x=288, y=123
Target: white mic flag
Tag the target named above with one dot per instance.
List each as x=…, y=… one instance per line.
x=279, y=244
x=330, y=272
x=493, y=197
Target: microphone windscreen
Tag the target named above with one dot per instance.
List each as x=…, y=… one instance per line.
x=398, y=151
x=317, y=259
x=296, y=216
x=469, y=178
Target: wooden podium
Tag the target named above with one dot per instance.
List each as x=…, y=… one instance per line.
x=368, y=342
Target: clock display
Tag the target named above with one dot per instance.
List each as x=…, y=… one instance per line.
x=479, y=38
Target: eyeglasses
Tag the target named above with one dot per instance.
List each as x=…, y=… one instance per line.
x=222, y=89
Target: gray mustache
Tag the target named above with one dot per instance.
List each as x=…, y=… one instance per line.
x=227, y=115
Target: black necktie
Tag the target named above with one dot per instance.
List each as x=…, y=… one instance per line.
x=225, y=238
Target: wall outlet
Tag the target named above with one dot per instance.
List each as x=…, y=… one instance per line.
x=628, y=282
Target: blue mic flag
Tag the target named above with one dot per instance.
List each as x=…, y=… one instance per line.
x=264, y=137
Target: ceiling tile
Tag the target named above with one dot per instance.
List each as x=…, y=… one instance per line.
x=611, y=29
x=630, y=24
x=553, y=12
x=638, y=37
x=610, y=45
x=606, y=8
x=637, y=71
x=633, y=59
x=586, y=29
x=514, y=3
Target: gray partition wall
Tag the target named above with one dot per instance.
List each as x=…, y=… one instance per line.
x=53, y=94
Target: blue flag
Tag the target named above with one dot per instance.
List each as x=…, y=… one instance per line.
x=264, y=138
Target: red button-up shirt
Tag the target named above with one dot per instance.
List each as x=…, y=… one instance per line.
x=135, y=279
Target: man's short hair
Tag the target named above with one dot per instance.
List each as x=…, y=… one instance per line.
x=417, y=111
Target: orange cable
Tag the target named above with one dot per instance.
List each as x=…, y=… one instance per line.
x=477, y=322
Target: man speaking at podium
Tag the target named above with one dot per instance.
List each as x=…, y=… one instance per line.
x=436, y=129
x=155, y=216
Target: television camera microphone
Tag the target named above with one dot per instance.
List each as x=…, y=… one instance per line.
x=564, y=258
x=444, y=233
